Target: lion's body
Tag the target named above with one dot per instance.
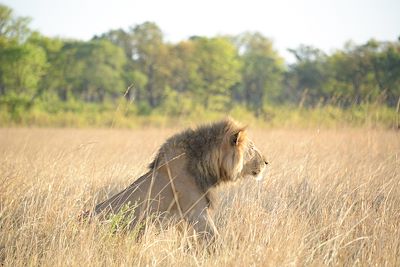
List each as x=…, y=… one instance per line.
x=187, y=166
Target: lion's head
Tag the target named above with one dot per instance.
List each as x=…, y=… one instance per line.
x=215, y=153
x=254, y=163
x=238, y=157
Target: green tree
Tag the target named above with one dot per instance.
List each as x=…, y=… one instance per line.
x=262, y=71
x=353, y=75
x=217, y=70
x=386, y=67
x=103, y=73
x=22, y=68
x=120, y=38
x=102, y=66
x=150, y=56
x=13, y=27
x=183, y=65
x=21, y=63
x=90, y=71
x=306, y=79
x=52, y=77
x=67, y=68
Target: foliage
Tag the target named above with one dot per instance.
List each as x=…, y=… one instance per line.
x=200, y=75
x=217, y=70
x=261, y=72
x=12, y=27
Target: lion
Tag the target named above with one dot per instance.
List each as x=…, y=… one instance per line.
x=180, y=179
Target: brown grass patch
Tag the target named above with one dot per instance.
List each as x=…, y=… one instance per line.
x=332, y=197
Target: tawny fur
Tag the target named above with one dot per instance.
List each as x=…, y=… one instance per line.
x=185, y=170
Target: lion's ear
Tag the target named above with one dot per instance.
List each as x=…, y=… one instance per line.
x=237, y=138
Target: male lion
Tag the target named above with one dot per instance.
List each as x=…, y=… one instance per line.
x=187, y=166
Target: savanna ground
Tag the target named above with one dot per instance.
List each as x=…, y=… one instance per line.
x=331, y=197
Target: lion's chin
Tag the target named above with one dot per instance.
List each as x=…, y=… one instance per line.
x=261, y=175
x=258, y=177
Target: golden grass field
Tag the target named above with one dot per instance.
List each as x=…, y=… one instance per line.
x=331, y=197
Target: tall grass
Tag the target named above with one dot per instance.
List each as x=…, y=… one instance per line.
x=331, y=197
x=124, y=114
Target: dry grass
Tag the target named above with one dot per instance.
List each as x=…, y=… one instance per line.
x=332, y=197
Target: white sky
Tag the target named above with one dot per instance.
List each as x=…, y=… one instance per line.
x=326, y=24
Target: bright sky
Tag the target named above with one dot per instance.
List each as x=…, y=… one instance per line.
x=326, y=24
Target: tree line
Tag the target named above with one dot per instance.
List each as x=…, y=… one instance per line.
x=215, y=73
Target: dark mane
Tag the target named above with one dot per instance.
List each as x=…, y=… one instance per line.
x=198, y=144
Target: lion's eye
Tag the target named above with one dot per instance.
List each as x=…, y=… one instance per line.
x=254, y=172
